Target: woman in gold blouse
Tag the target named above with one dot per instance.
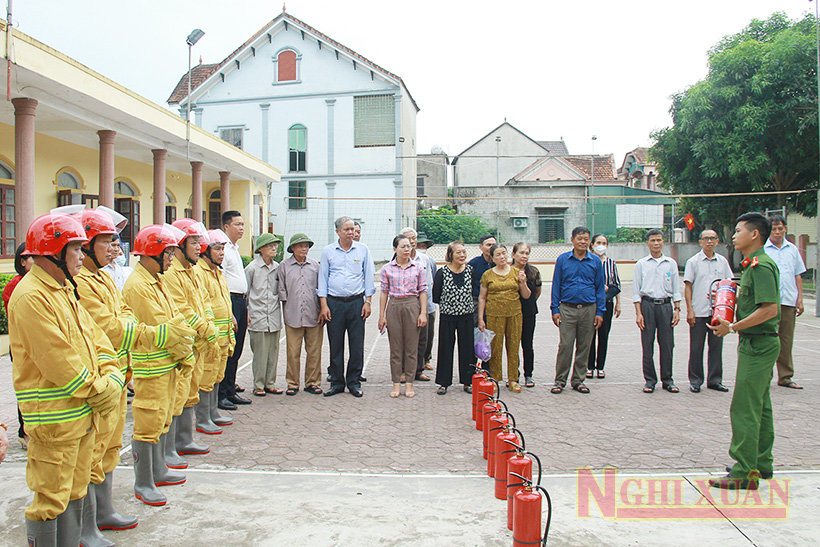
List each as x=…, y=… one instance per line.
x=499, y=301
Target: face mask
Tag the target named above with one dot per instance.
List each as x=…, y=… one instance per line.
x=424, y=251
x=600, y=250
x=120, y=261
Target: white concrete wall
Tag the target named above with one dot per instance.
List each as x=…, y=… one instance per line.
x=516, y=153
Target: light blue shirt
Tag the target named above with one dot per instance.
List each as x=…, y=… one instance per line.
x=790, y=264
x=346, y=273
x=430, y=268
x=656, y=278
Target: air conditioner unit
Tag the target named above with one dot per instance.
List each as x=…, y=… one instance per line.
x=519, y=222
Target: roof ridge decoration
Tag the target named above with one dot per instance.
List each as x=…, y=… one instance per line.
x=180, y=91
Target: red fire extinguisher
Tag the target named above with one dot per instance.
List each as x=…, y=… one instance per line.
x=506, y=435
x=527, y=514
x=496, y=424
x=520, y=464
x=723, y=300
x=491, y=408
x=486, y=388
x=479, y=375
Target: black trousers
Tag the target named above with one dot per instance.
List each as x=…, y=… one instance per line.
x=697, y=340
x=597, y=359
x=658, y=319
x=345, y=317
x=447, y=331
x=239, y=307
x=527, y=335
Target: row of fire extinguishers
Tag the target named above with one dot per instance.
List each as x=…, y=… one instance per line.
x=509, y=463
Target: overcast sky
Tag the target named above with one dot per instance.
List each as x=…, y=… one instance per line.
x=552, y=69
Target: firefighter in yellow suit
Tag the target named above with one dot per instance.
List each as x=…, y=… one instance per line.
x=189, y=297
x=66, y=378
x=213, y=281
x=156, y=362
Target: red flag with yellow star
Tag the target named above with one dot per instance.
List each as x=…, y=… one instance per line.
x=690, y=221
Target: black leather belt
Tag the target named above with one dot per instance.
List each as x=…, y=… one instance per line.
x=772, y=334
x=577, y=305
x=347, y=298
x=657, y=301
x=239, y=295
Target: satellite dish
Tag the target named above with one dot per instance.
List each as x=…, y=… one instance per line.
x=437, y=150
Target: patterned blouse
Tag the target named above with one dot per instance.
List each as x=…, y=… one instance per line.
x=503, y=298
x=453, y=292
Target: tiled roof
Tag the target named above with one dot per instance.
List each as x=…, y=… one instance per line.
x=287, y=17
x=640, y=154
x=199, y=74
x=554, y=148
x=604, y=166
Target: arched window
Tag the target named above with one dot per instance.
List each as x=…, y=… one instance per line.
x=286, y=66
x=297, y=143
x=126, y=203
x=6, y=170
x=69, y=179
x=215, y=210
x=170, y=207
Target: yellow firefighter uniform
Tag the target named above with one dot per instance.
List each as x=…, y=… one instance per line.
x=188, y=296
x=213, y=282
x=155, y=369
x=64, y=365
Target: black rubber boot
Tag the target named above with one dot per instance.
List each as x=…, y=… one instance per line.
x=107, y=516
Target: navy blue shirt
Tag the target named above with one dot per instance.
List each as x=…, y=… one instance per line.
x=479, y=267
x=578, y=282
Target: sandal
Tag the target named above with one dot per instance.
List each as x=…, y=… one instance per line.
x=590, y=374
x=316, y=390
x=515, y=387
x=442, y=390
x=528, y=382
x=468, y=388
x=394, y=394
x=409, y=394
x=259, y=393
x=601, y=374
x=292, y=391
x=671, y=388
x=648, y=389
x=581, y=388
x=273, y=391
x=557, y=389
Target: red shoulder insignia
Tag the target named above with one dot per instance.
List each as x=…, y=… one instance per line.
x=755, y=261
x=746, y=262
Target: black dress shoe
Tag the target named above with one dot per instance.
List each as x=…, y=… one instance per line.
x=733, y=483
x=225, y=404
x=362, y=379
x=766, y=476
x=719, y=387
x=694, y=389
x=356, y=392
x=238, y=400
x=237, y=388
x=333, y=391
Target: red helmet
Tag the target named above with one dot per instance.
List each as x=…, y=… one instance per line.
x=97, y=223
x=191, y=227
x=49, y=233
x=153, y=240
x=214, y=237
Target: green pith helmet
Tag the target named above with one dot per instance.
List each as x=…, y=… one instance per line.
x=265, y=239
x=299, y=238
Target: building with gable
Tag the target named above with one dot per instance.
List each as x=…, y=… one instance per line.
x=536, y=191
x=639, y=170
x=342, y=127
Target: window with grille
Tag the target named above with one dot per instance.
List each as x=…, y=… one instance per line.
x=420, y=186
x=374, y=120
x=7, y=216
x=551, y=225
x=130, y=209
x=297, y=192
x=297, y=144
x=232, y=135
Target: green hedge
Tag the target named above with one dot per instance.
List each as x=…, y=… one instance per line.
x=4, y=321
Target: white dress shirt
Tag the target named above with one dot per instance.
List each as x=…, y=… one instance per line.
x=233, y=269
x=656, y=278
x=701, y=271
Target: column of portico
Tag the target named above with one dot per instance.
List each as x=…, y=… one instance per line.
x=159, y=185
x=196, y=190
x=24, y=112
x=107, y=167
x=225, y=190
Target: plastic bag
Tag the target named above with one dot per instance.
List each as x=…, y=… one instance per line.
x=482, y=343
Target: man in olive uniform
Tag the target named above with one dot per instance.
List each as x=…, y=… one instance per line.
x=758, y=316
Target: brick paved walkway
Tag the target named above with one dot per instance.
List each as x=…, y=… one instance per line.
x=615, y=425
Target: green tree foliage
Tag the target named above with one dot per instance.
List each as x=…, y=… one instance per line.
x=445, y=224
x=629, y=235
x=749, y=126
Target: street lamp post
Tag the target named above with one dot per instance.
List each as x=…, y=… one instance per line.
x=192, y=39
x=592, y=180
x=497, y=187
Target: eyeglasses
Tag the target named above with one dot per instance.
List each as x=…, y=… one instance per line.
x=709, y=238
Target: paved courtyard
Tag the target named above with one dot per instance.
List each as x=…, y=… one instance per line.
x=401, y=463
